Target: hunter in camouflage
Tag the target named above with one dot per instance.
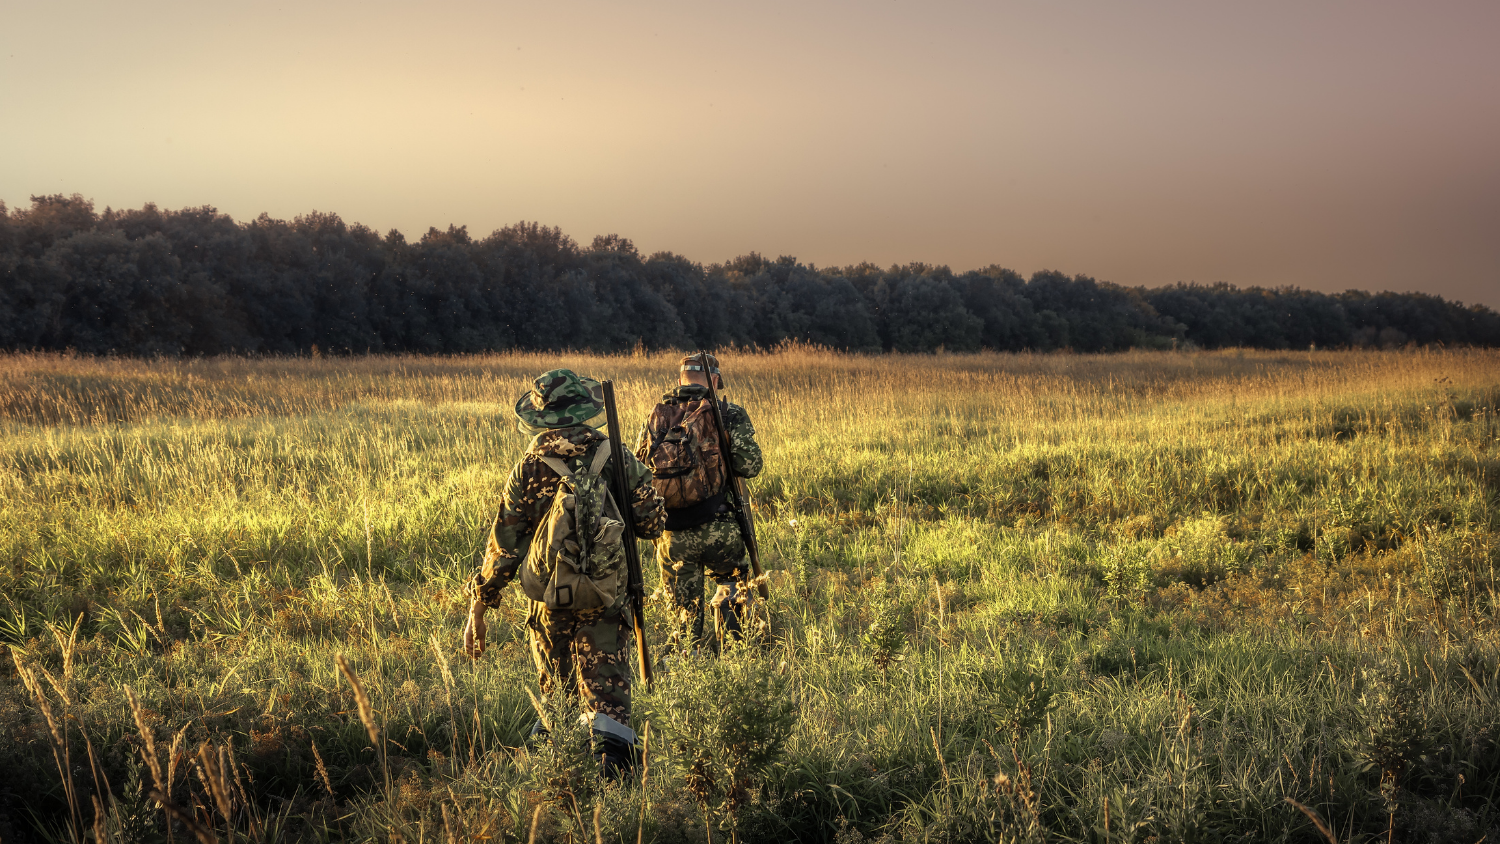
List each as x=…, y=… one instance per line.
x=711, y=547
x=577, y=652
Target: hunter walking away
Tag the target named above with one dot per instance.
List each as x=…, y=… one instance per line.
x=560, y=527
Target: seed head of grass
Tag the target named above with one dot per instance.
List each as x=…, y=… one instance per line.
x=362, y=700
x=322, y=769
x=148, y=742
x=211, y=773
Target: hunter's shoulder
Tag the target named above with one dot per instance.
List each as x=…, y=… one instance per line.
x=735, y=414
x=529, y=478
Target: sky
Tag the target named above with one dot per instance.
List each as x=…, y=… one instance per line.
x=1327, y=145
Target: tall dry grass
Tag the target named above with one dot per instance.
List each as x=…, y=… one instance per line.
x=1014, y=597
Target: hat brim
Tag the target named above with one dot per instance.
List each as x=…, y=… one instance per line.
x=590, y=413
x=531, y=429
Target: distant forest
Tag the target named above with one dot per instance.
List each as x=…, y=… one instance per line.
x=195, y=282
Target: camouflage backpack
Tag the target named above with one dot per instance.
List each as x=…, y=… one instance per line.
x=577, y=556
x=683, y=453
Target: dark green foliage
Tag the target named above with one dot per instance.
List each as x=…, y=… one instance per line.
x=149, y=282
x=1017, y=700
x=1393, y=710
x=727, y=723
x=885, y=638
x=1221, y=316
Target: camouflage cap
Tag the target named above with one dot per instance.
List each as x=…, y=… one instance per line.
x=560, y=399
x=694, y=363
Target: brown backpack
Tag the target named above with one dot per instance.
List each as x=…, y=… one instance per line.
x=683, y=453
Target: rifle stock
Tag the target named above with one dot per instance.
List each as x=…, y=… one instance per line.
x=635, y=586
x=739, y=502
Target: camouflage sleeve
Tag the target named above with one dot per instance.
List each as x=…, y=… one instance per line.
x=642, y=441
x=649, y=511
x=510, y=536
x=745, y=456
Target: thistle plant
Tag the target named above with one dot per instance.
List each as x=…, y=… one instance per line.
x=728, y=721
x=1018, y=700
x=1397, y=733
x=884, y=641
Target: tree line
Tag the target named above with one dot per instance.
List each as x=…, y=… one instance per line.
x=196, y=282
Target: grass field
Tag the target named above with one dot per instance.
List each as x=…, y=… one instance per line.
x=1145, y=597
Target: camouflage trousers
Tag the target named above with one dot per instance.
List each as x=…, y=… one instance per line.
x=584, y=653
x=717, y=550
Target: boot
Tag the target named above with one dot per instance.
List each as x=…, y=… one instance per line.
x=726, y=606
x=538, y=736
x=617, y=759
x=613, y=743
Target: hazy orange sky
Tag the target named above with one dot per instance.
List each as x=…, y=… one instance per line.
x=1322, y=144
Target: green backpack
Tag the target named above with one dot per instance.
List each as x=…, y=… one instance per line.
x=577, y=556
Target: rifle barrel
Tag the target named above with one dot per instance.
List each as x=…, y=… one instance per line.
x=634, y=585
x=739, y=501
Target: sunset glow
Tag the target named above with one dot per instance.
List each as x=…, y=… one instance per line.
x=1325, y=145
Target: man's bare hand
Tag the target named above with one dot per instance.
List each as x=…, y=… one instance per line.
x=474, y=630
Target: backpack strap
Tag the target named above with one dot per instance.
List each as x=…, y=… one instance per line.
x=601, y=457
x=556, y=465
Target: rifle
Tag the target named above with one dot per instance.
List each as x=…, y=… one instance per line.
x=635, y=587
x=739, y=503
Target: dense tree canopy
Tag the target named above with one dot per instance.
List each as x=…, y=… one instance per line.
x=195, y=282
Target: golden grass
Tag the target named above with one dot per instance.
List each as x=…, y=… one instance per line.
x=1174, y=585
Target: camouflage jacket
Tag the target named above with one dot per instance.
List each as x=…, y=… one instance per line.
x=746, y=460
x=528, y=494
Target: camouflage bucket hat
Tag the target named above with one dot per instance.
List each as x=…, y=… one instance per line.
x=560, y=399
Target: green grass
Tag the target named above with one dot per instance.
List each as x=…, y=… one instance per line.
x=1150, y=596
